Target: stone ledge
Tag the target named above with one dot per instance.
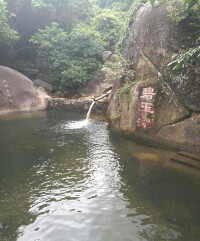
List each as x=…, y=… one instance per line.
x=81, y=105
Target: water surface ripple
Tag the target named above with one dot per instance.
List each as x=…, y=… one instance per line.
x=66, y=178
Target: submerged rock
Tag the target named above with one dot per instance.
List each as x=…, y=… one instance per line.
x=17, y=93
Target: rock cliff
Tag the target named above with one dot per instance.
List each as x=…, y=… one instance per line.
x=164, y=104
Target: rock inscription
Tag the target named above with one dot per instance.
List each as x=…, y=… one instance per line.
x=146, y=108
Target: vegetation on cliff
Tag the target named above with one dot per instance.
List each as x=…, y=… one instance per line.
x=72, y=35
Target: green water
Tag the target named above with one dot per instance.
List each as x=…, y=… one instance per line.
x=62, y=179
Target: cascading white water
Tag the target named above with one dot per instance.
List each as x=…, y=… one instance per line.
x=98, y=98
x=89, y=111
x=82, y=123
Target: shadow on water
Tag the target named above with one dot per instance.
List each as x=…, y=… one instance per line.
x=66, y=178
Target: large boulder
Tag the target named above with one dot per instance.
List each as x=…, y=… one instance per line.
x=17, y=93
x=147, y=108
x=158, y=106
x=155, y=36
x=152, y=116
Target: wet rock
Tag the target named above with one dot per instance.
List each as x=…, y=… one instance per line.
x=17, y=93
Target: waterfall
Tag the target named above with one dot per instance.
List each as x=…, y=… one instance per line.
x=89, y=111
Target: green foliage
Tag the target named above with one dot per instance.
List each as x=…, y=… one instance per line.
x=128, y=22
x=7, y=34
x=126, y=89
x=122, y=5
x=152, y=2
x=189, y=9
x=71, y=58
x=67, y=13
x=108, y=23
x=190, y=57
x=116, y=116
x=120, y=68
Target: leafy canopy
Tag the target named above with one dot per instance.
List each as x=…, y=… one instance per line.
x=6, y=32
x=71, y=58
x=108, y=23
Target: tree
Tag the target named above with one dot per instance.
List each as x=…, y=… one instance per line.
x=127, y=24
x=71, y=58
x=67, y=13
x=7, y=34
x=189, y=9
x=108, y=23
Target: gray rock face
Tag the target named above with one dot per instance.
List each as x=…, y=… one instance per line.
x=145, y=111
x=17, y=93
x=158, y=38
x=158, y=106
x=184, y=135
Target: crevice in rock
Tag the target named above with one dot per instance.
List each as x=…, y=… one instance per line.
x=178, y=121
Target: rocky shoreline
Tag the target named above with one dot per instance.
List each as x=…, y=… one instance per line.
x=80, y=105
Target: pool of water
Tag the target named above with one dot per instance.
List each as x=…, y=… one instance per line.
x=66, y=179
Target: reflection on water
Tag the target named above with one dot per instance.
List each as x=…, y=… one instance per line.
x=64, y=178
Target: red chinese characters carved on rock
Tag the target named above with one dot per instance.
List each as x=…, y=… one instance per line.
x=147, y=93
x=146, y=108
x=143, y=122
